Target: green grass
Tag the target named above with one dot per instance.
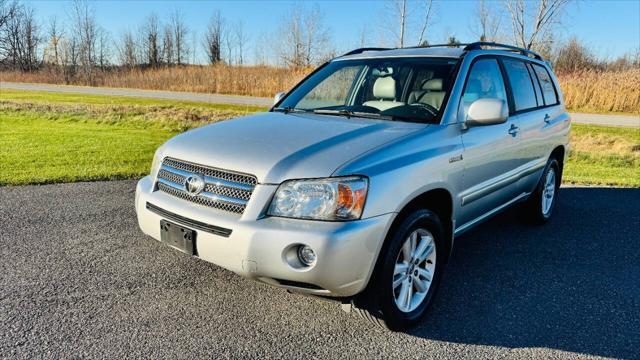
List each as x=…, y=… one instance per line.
x=50, y=137
x=36, y=151
x=604, y=155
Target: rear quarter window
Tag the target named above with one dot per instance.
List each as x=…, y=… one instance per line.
x=548, y=90
x=524, y=96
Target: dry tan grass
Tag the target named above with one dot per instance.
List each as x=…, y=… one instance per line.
x=261, y=81
x=167, y=117
x=604, y=144
x=587, y=91
x=602, y=91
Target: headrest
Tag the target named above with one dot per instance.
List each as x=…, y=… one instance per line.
x=433, y=85
x=384, y=88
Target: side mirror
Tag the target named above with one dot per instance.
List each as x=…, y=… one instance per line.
x=487, y=112
x=278, y=97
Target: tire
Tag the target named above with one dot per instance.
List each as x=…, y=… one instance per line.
x=381, y=302
x=539, y=207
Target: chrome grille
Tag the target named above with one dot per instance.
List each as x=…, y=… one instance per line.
x=223, y=189
x=211, y=172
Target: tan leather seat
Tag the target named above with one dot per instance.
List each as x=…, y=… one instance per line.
x=432, y=94
x=384, y=90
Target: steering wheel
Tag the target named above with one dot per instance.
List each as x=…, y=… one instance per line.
x=432, y=110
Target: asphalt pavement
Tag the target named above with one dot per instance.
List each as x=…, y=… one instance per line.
x=79, y=279
x=594, y=119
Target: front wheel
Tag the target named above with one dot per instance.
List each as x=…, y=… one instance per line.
x=408, y=273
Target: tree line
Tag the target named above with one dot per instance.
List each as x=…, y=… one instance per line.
x=79, y=47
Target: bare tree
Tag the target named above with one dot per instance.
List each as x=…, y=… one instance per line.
x=408, y=17
x=52, y=51
x=103, y=48
x=151, y=40
x=229, y=45
x=304, y=40
x=487, y=21
x=20, y=38
x=534, y=34
x=401, y=6
x=212, y=41
x=86, y=32
x=8, y=9
x=316, y=37
x=180, y=32
x=291, y=39
x=127, y=50
x=427, y=19
x=241, y=39
x=395, y=13
x=194, y=46
x=572, y=56
x=69, y=50
x=453, y=41
x=168, y=48
x=362, y=41
x=262, y=49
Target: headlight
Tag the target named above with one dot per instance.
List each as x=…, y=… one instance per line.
x=155, y=164
x=321, y=199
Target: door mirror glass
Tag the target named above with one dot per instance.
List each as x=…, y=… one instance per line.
x=487, y=111
x=278, y=97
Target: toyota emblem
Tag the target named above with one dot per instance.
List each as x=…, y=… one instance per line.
x=194, y=184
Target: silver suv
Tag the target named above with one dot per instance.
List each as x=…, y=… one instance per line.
x=355, y=183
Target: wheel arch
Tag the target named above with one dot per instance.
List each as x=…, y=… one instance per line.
x=438, y=200
x=559, y=154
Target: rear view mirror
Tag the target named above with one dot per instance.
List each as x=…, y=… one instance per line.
x=278, y=97
x=487, y=112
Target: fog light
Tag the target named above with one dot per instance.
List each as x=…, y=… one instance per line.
x=306, y=255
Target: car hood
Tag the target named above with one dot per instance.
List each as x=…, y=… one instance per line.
x=276, y=146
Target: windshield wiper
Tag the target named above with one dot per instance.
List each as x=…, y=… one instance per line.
x=289, y=109
x=349, y=113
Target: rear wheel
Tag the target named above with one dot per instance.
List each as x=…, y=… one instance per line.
x=540, y=205
x=408, y=273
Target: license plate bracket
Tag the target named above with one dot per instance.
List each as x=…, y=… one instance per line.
x=178, y=237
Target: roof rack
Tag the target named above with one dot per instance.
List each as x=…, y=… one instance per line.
x=361, y=50
x=436, y=45
x=467, y=47
x=478, y=46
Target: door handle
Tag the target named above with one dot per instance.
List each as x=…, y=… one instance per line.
x=513, y=130
x=547, y=118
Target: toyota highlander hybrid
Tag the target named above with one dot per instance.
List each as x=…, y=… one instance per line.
x=356, y=182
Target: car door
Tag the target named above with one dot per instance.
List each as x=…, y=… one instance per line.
x=529, y=121
x=488, y=150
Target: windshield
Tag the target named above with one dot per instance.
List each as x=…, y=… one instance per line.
x=406, y=89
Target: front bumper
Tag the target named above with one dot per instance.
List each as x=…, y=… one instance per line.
x=257, y=247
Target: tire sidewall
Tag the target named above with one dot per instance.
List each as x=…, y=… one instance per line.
x=395, y=318
x=552, y=164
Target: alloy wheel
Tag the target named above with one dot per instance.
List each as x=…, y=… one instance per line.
x=548, y=192
x=414, y=270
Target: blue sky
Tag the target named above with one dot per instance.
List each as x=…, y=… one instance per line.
x=609, y=27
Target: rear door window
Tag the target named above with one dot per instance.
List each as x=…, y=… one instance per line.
x=524, y=95
x=548, y=90
x=536, y=85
